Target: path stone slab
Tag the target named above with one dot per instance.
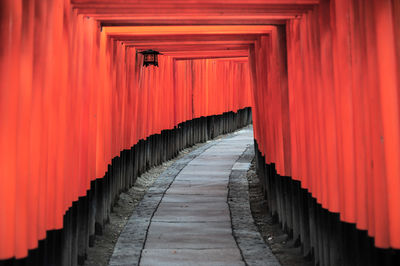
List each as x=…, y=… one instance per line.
x=205, y=171
x=192, y=198
x=206, y=235
x=201, y=181
x=224, y=151
x=212, y=160
x=193, y=174
x=218, y=156
x=202, y=178
x=184, y=257
x=207, y=167
x=207, y=190
x=192, y=212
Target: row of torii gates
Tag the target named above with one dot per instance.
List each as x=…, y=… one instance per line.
x=322, y=78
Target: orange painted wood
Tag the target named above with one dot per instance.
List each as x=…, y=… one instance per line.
x=324, y=87
x=343, y=87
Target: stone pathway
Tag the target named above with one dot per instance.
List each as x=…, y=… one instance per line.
x=185, y=218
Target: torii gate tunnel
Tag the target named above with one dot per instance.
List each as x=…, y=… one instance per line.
x=322, y=78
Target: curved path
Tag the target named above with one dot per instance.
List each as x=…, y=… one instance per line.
x=185, y=218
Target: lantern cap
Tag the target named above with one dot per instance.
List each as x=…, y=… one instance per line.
x=150, y=51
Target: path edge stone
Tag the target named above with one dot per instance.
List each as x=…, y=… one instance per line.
x=249, y=240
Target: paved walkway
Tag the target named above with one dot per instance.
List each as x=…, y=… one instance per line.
x=185, y=219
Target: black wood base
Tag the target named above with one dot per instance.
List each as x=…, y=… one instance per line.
x=321, y=234
x=87, y=217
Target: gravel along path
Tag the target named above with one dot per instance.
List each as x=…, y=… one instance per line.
x=284, y=250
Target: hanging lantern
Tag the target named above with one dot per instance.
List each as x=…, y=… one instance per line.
x=150, y=57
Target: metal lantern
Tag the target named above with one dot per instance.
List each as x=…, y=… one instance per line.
x=150, y=57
